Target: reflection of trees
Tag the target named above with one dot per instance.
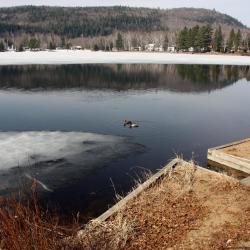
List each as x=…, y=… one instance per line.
x=75, y=76
x=183, y=78
x=213, y=75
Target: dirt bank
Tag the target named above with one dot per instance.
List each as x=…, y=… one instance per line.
x=190, y=208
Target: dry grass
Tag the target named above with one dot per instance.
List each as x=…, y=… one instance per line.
x=136, y=227
x=188, y=208
x=108, y=235
x=24, y=225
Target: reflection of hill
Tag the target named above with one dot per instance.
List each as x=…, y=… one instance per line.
x=180, y=78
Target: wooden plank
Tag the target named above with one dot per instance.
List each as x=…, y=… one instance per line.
x=229, y=162
x=135, y=192
x=246, y=181
x=229, y=144
x=239, y=163
x=235, y=173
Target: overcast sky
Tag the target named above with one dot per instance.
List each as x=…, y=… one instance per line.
x=235, y=8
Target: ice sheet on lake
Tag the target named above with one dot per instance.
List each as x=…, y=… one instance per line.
x=81, y=57
x=56, y=158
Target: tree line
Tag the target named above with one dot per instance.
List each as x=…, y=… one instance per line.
x=205, y=39
x=195, y=39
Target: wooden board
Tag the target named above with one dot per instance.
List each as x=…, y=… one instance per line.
x=246, y=181
x=216, y=155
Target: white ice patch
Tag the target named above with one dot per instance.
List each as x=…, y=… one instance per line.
x=56, y=159
x=83, y=57
x=27, y=148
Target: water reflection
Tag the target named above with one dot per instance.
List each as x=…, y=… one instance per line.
x=179, y=78
x=172, y=121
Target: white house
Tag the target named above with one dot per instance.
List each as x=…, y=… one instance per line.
x=191, y=49
x=11, y=48
x=76, y=47
x=171, y=49
x=139, y=48
x=150, y=47
x=159, y=49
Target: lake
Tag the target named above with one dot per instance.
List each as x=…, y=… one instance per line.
x=63, y=125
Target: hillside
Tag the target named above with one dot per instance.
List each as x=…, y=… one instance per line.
x=86, y=23
x=94, y=21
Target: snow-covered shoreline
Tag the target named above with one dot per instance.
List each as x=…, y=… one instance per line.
x=87, y=57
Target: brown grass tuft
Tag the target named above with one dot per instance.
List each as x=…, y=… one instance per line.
x=24, y=225
x=108, y=235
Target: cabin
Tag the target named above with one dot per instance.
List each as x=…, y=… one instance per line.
x=139, y=48
x=191, y=49
x=171, y=49
x=11, y=48
x=150, y=47
x=77, y=47
x=159, y=49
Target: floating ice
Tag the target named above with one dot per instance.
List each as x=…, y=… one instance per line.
x=27, y=148
x=56, y=158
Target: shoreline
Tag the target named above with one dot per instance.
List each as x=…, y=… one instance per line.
x=182, y=206
x=89, y=57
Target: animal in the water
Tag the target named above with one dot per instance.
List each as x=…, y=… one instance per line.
x=127, y=123
x=133, y=125
x=130, y=124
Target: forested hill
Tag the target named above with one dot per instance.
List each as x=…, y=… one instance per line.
x=104, y=21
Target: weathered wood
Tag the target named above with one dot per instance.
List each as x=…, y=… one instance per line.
x=216, y=166
x=246, y=181
x=230, y=162
x=227, y=160
x=230, y=144
x=136, y=192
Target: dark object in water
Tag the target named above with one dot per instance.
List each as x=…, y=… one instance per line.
x=127, y=123
x=130, y=124
x=134, y=125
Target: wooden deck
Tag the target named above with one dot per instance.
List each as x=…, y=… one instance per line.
x=220, y=157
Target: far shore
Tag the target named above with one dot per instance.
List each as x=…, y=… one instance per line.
x=99, y=57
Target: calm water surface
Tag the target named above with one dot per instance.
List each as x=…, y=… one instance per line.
x=182, y=109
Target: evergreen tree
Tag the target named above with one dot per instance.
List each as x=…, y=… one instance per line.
x=206, y=32
x=244, y=45
x=231, y=40
x=68, y=45
x=20, y=48
x=237, y=40
x=119, y=42
x=248, y=41
x=190, y=39
x=134, y=42
x=2, y=48
x=34, y=43
x=52, y=45
x=111, y=45
x=195, y=34
x=218, y=40
x=96, y=48
x=165, y=43
x=63, y=42
x=182, y=40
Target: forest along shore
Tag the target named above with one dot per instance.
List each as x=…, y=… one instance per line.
x=88, y=57
x=187, y=209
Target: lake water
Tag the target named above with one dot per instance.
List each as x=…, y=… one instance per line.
x=64, y=125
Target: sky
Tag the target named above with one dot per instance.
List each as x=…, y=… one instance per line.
x=236, y=8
